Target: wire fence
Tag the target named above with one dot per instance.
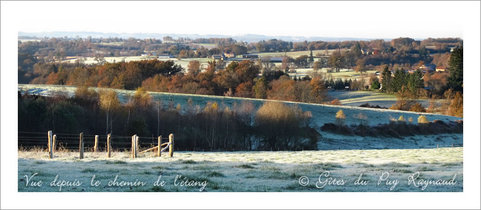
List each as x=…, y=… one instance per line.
x=28, y=139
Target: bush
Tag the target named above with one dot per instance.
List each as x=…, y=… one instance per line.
x=422, y=119
x=335, y=102
x=340, y=117
x=284, y=127
x=396, y=130
x=456, y=106
x=417, y=107
x=372, y=106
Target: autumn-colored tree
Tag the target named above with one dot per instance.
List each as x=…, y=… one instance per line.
x=108, y=101
x=336, y=61
x=84, y=93
x=318, y=90
x=280, y=123
x=141, y=98
x=282, y=89
x=340, y=117
x=335, y=102
x=316, y=65
x=244, y=89
x=194, y=67
x=404, y=100
x=436, y=82
x=417, y=107
x=456, y=106
x=360, y=66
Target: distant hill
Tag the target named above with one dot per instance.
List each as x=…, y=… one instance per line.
x=243, y=38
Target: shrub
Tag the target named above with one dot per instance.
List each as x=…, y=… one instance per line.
x=422, y=119
x=335, y=102
x=340, y=117
x=396, y=130
x=417, y=107
x=404, y=101
x=284, y=127
x=456, y=106
x=401, y=119
x=372, y=106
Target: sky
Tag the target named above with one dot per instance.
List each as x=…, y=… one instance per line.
x=307, y=19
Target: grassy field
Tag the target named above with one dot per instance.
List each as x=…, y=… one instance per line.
x=295, y=54
x=182, y=62
x=246, y=171
x=356, y=98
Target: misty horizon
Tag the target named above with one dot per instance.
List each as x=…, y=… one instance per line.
x=248, y=37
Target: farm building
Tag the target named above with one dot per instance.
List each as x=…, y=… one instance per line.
x=165, y=56
x=218, y=57
x=250, y=56
x=276, y=59
x=229, y=55
x=427, y=67
x=440, y=69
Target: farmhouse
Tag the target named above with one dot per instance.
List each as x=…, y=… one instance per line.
x=427, y=68
x=366, y=52
x=276, y=59
x=250, y=56
x=440, y=69
x=229, y=55
x=165, y=56
x=218, y=57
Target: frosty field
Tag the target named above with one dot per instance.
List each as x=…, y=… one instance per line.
x=439, y=170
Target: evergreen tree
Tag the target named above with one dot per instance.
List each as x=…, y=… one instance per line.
x=399, y=80
x=455, y=80
x=414, y=82
x=260, y=88
x=386, y=80
x=311, y=57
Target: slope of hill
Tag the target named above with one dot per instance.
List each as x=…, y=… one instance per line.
x=321, y=114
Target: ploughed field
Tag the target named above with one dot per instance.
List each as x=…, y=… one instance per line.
x=419, y=170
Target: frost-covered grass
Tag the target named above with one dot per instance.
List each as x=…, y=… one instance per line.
x=356, y=98
x=245, y=171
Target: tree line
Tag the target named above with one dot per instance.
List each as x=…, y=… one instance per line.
x=213, y=126
x=54, y=49
x=236, y=79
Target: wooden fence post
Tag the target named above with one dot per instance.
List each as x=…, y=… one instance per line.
x=171, y=145
x=81, y=145
x=54, y=143
x=159, y=142
x=132, y=146
x=49, y=144
x=109, y=145
x=96, y=144
x=136, y=145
